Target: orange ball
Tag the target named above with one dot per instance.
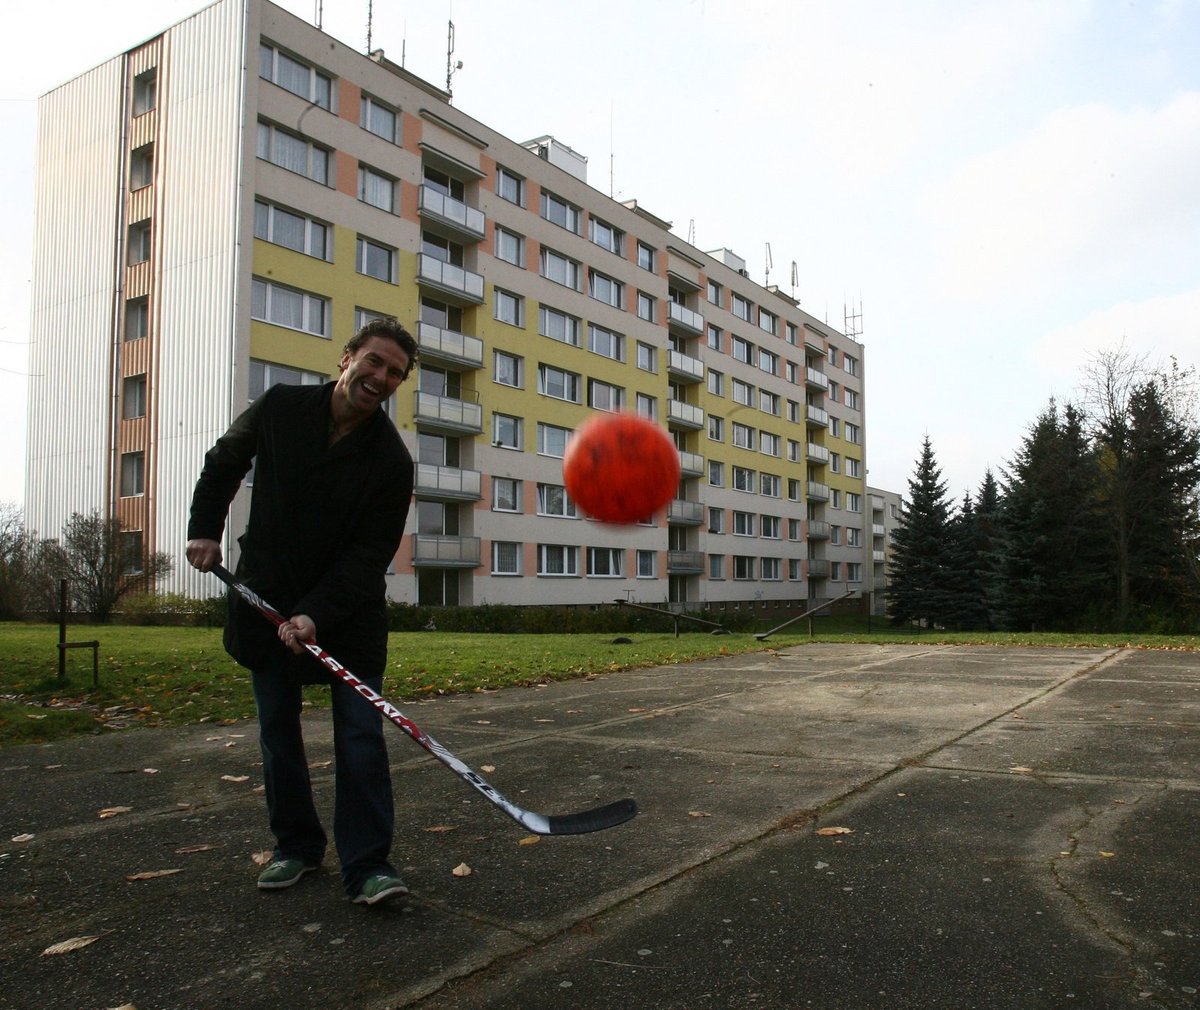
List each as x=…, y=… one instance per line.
x=620, y=468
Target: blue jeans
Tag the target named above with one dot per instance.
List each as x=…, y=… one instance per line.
x=363, y=809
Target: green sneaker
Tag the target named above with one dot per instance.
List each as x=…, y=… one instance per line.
x=378, y=888
x=283, y=873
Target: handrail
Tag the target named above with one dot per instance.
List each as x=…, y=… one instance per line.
x=764, y=635
x=676, y=617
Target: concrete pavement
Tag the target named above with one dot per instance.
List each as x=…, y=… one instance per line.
x=1020, y=833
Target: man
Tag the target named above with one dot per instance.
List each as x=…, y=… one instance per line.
x=331, y=489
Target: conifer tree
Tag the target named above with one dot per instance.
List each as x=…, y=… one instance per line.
x=921, y=549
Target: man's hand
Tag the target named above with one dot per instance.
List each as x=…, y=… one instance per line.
x=300, y=628
x=203, y=554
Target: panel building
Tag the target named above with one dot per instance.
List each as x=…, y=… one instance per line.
x=220, y=207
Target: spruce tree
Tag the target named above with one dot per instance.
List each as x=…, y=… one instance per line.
x=921, y=549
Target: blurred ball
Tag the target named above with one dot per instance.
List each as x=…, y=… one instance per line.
x=621, y=468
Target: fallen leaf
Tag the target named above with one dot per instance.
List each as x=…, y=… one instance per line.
x=187, y=850
x=530, y=840
x=698, y=813
x=113, y=811
x=439, y=828
x=22, y=838
x=1021, y=769
x=635, y=710
x=543, y=720
x=483, y=722
x=123, y=1006
x=235, y=778
x=461, y=870
x=150, y=771
x=319, y=764
x=151, y=874
x=487, y=768
x=835, y=831
x=1107, y=855
x=262, y=858
x=31, y=715
x=75, y=943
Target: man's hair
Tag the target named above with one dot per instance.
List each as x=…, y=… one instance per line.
x=388, y=328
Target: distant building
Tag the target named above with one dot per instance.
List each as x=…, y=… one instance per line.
x=887, y=512
x=220, y=207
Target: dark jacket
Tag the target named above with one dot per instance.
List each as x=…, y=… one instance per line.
x=325, y=523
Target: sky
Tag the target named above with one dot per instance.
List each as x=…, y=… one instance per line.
x=998, y=190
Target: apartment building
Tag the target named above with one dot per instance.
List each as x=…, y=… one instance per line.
x=220, y=207
x=887, y=513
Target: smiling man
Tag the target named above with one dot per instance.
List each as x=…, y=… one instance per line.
x=331, y=490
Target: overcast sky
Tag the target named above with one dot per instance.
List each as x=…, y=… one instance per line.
x=1002, y=188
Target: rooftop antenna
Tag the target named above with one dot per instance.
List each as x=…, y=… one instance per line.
x=770, y=263
x=403, y=44
x=319, y=14
x=370, y=18
x=853, y=320
x=795, y=278
x=611, y=160
x=450, y=65
x=691, y=231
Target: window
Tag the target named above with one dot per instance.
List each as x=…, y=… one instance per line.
x=265, y=374
x=130, y=552
x=552, y=500
x=793, y=373
x=853, y=536
x=743, y=524
x=742, y=308
x=768, y=402
x=510, y=308
x=647, y=564
x=560, y=269
x=716, y=382
x=605, y=342
x=510, y=187
x=293, y=153
x=743, y=479
x=558, y=326
x=793, y=489
x=768, y=321
x=743, y=393
x=137, y=318
x=297, y=310
x=835, y=570
x=743, y=436
x=294, y=76
x=716, y=566
x=768, y=485
x=834, y=426
x=558, y=383
x=742, y=350
x=716, y=428
x=605, y=396
x=506, y=558
x=853, y=467
x=291, y=230
x=834, y=392
x=854, y=571
x=552, y=440
x=141, y=167
x=606, y=562
x=833, y=356
x=849, y=364
x=378, y=118
x=714, y=293
x=646, y=307
x=714, y=337
x=606, y=236
x=768, y=443
x=506, y=494
x=853, y=433
x=770, y=568
x=133, y=474
x=768, y=362
x=852, y=399
x=377, y=189
x=506, y=431
x=835, y=534
x=145, y=92
x=138, y=243
x=835, y=462
x=558, y=559
x=835, y=498
x=376, y=260
x=795, y=569
x=716, y=520
x=557, y=211
x=769, y=527
x=716, y=473
x=853, y=502
x=793, y=529
x=508, y=369
x=363, y=316
x=645, y=257
x=793, y=412
x=647, y=357
x=743, y=568
x=793, y=334
x=606, y=289
x=133, y=397
x=793, y=451
x=510, y=247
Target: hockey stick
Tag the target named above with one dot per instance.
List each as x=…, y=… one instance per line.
x=581, y=822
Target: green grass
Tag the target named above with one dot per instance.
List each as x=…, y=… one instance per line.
x=178, y=676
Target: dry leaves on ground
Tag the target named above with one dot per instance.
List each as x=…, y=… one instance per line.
x=108, y=812
x=835, y=831
x=67, y=946
x=462, y=870
x=152, y=874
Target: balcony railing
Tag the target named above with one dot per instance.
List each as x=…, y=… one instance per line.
x=818, y=380
x=449, y=346
x=454, y=213
x=818, y=568
x=685, y=415
x=682, y=512
x=818, y=529
x=679, y=315
x=878, y=557
x=815, y=489
x=442, y=551
x=685, y=367
x=816, y=417
x=876, y=503
x=877, y=530
x=685, y=562
x=447, y=482
x=691, y=464
x=447, y=414
x=449, y=279
x=816, y=453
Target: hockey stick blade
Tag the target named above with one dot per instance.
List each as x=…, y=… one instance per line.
x=578, y=823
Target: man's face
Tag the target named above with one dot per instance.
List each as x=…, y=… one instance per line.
x=371, y=374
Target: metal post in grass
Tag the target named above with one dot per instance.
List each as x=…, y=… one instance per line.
x=64, y=645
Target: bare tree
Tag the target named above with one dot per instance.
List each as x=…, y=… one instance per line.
x=104, y=563
x=29, y=567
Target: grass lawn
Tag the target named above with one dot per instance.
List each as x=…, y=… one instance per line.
x=174, y=676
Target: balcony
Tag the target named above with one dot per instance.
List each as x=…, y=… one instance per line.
x=818, y=530
x=879, y=582
x=684, y=367
x=818, y=568
x=446, y=414
x=442, y=551
x=816, y=453
x=453, y=215
x=816, y=380
x=814, y=342
x=685, y=562
x=446, y=483
x=877, y=530
x=878, y=557
x=448, y=279
x=685, y=415
x=682, y=318
x=876, y=503
x=681, y=512
x=816, y=490
x=691, y=464
x=816, y=417
x=448, y=347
